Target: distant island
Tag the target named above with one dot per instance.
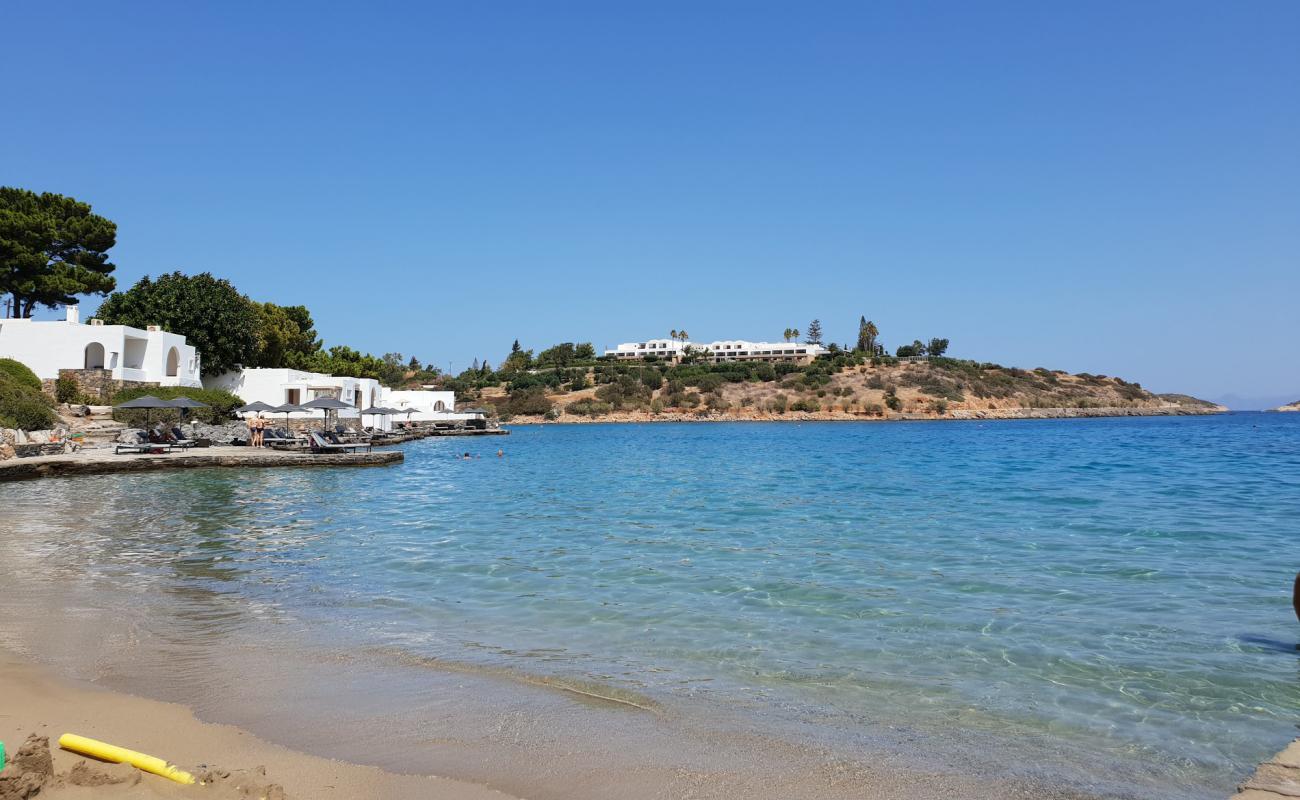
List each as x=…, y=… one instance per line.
x=1288, y=407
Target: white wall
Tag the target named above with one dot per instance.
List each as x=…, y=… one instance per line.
x=130, y=353
x=273, y=387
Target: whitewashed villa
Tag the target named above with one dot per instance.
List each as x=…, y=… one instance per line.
x=277, y=387
x=100, y=357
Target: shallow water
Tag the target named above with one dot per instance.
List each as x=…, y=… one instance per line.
x=1109, y=596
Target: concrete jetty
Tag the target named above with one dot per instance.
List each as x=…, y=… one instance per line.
x=101, y=461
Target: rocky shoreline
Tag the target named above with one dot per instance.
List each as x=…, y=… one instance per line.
x=841, y=416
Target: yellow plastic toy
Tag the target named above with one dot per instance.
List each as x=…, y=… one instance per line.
x=120, y=755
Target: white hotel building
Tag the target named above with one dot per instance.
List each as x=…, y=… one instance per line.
x=277, y=387
x=719, y=352
x=132, y=355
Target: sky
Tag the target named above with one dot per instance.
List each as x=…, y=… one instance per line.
x=1102, y=187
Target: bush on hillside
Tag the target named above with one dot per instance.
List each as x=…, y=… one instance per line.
x=20, y=372
x=67, y=390
x=531, y=401
x=23, y=407
x=589, y=408
x=222, y=405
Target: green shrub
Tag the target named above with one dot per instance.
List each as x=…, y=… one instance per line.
x=626, y=392
x=875, y=409
x=21, y=373
x=709, y=383
x=589, y=408
x=656, y=406
x=222, y=405
x=892, y=400
x=806, y=405
x=778, y=404
x=23, y=407
x=531, y=401
x=67, y=390
x=715, y=402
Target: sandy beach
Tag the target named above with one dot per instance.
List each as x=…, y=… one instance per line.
x=232, y=762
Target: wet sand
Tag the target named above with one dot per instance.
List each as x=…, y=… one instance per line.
x=34, y=702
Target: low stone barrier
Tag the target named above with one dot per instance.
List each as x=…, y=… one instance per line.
x=102, y=462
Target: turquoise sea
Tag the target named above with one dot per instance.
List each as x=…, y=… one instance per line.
x=1107, y=600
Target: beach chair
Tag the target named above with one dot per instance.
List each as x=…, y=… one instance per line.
x=320, y=445
x=141, y=448
x=280, y=439
x=182, y=440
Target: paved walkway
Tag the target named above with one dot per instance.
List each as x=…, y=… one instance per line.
x=104, y=460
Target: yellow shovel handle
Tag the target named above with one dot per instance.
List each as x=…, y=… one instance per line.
x=109, y=752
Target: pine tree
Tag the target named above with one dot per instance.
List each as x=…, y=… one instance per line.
x=814, y=332
x=515, y=348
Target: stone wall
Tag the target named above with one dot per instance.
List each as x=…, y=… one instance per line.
x=311, y=424
x=96, y=385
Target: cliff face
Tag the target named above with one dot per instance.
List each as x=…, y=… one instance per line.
x=946, y=389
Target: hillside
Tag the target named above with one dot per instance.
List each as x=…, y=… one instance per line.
x=1289, y=407
x=833, y=389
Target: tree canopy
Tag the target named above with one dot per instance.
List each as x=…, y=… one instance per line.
x=52, y=249
x=209, y=312
x=286, y=336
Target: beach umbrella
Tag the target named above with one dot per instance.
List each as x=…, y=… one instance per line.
x=255, y=407
x=286, y=410
x=147, y=402
x=375, y=411
x=185, y=404
x=326, y=404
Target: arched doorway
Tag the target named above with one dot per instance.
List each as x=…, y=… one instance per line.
x=439, y=406
x=173, y=362
x=94, y=356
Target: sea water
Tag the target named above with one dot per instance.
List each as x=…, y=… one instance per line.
x=1119, y=588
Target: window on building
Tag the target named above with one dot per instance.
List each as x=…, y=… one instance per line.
x=292, y=396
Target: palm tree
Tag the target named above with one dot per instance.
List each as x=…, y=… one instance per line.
x=786, y=334
x=794, y=333
x=684, y=335
x=872, y=332
x=673, y=334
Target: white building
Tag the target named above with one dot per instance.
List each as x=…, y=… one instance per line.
x=718, y=352
x=130, y=354
x=430, y=405
x=276, y=387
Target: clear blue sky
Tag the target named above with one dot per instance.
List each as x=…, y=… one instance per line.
x=1103, y=187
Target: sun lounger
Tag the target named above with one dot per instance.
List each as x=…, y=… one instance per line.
x=142, y=448
x=320, y=445
x=182, y=441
